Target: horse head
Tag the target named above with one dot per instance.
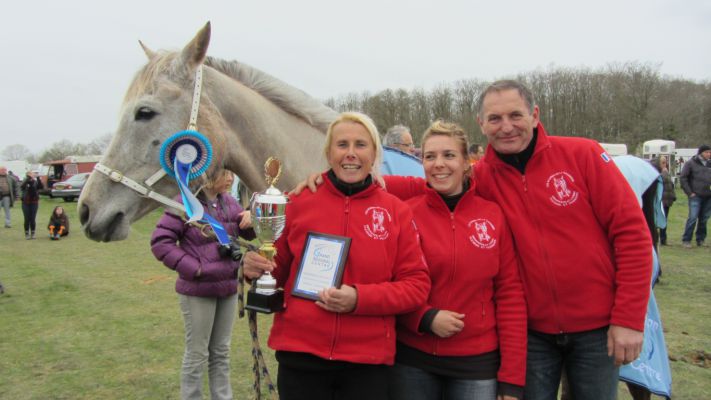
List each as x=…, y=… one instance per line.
x=157, y=105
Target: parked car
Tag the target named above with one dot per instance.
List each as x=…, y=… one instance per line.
x=70, y=189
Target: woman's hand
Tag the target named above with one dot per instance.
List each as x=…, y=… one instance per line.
x=500, y=397
x=246, y=221
x=341, y=300
x=255, y=265
x=447, y=323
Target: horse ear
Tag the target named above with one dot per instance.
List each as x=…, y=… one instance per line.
x=149, y=53
x=194, y=52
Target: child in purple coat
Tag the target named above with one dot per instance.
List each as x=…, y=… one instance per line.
x=206, y=285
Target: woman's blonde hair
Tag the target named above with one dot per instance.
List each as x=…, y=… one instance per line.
x=449, y=129
x=369, y=125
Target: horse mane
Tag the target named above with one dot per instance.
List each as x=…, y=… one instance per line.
x=285, y=96
x=144, y=80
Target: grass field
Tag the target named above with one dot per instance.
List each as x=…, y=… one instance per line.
x=86, y=320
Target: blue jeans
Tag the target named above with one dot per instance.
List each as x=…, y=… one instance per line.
x=699, y=209
x=410, y=383
x=6, y=206
x=208, y=330
x=592, y=375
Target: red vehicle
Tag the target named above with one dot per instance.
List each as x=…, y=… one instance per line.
x=61, y=170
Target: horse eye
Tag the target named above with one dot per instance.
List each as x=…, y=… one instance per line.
x=145, y=114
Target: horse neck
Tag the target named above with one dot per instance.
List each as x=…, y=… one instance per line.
x=259, y=129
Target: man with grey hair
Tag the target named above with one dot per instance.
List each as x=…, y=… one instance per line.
x=582, y=241
x=8, y=193
x=399, y=137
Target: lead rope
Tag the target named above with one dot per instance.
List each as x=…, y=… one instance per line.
x=259, y=367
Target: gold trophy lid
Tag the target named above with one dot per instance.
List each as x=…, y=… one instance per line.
x=272, y=173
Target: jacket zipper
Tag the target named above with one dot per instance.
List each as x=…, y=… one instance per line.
x=346, y=211
x=546, y=259
x=451, y=275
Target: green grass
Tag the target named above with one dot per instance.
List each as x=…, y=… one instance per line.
x=86, y=320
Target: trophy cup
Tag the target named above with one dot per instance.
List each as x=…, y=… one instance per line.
x=268, y=217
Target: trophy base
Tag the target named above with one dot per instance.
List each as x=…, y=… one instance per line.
x=265, y=303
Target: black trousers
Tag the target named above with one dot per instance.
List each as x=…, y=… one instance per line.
x=359, y=382
x=29, y=211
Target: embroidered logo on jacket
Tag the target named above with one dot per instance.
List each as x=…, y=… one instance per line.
x=379, y=221
x=483, y=230
x=559, y=183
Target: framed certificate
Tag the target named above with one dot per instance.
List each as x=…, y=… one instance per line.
x=321, y=264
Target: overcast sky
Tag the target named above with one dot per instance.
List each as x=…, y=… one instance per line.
x=65, y=65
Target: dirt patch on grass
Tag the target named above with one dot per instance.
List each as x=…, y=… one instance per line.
x=700, y=358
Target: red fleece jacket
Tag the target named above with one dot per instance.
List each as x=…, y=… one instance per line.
x=474, y=272
x=385, y=265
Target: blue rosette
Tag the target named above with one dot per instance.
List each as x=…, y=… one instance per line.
x=185, y=156
x=194, y=139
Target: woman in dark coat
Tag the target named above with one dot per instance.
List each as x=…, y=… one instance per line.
x=30, y=188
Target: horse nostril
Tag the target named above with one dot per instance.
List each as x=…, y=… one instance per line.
x=84, y=214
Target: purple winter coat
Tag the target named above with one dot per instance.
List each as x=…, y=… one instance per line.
x=183, y=248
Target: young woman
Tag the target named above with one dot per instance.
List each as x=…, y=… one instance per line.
x=469, y=340
x=339, y=346
x=206, y=286
x=58, y=223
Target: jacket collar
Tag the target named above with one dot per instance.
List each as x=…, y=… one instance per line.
x=435, y=200
x=333, y=189
x=542, y=143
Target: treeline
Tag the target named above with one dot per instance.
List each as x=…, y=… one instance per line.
x=57, y=150
x=621, y=103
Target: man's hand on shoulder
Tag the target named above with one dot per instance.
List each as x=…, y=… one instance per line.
x=311, y=182
x=624, y=344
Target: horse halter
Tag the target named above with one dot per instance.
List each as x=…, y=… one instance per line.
x=145, y=189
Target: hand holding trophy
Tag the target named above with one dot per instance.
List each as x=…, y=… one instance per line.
x=269, y=218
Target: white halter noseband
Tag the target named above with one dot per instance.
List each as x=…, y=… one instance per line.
x=145, y=188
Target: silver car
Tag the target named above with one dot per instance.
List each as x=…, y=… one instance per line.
x=70, y=189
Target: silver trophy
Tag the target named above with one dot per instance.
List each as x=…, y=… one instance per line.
x=269, y=218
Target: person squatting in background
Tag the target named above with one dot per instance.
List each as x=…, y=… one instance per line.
x=58, y=223
x=206, y=285
x=469, y=340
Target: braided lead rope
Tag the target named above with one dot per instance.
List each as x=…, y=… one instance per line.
x=259, y=366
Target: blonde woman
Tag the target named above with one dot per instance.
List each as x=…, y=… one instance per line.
x=339, y=346
x=469, y=340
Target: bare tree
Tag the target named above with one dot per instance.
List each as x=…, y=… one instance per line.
x=15, y=152
x=62, y=149
x=99, y=145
